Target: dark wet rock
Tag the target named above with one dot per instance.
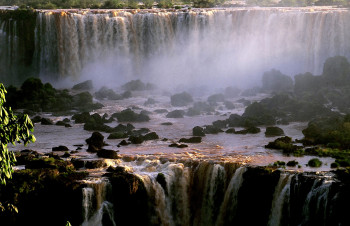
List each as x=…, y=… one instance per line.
x=24, y=156
x=60, y=148
x=251, y=130
x=161, y=111
x=335, y=165
x=87, y=85
x=176, y=114
x=229, y=105
x=139, y=132
x=117, y=135
x=74, y=152
x=167, y=123
x=124, y=143
x=283, y=143
x=149, y=101
x=151, y=136
x=60, y=123
x=128, y=115
x=95, y=126
x=137, y=85
x=67, y=125
x=162, y=181
x=292, y=163
x=220, y=124
x=175, y=145
x=95, y=142
x=84, y=102
x=231, y=130
x=46, y=121
x=126, y=95
x=193, y=112
x=275, y=81
x=109, y=154
x=274, y=131
x=210, y=129
x=191, y=140
x=36, y=119
x=81, y=117
x=260, y=114
x=66, y=120
x=236, y=121
x=145, y=112
x=95, y=164
x=232, y=92
x=181, y=99
x=105, y=93
x=198, y=131
x=216, y=98
x=203, y=107
x=136, y=139
x=66, y=155
x=315, y=162
x=50, y=163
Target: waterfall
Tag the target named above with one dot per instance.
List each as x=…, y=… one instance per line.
x=187, y=46
x=280, y=197
x=97, y=211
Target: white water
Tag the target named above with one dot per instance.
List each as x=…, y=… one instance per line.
x=281, y=195
x=95, y=205
x=193, y=47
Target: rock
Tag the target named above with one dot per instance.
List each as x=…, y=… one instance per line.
x=220, y=124
x=181, y=99
x=216, y=98
x=66, y=120
x=292, y=163
x=283, y=143
x=315, y=162
x=198, y=131
x=275, y=81
x=81, y=118
x=151, y=136
x=117, y=135
x=46, y=121
x=66, y=155
x=203, y=107
x=178, y=145
x=60, y=123
x=166, y=123
x=251, y=130
x=124, y=143
x=109, y=154
x=192, y=112
x=191, y=140
x=95, y=142
x=105, y=93
x=136, y=139
x=139, y=132
x=212, y=130
x=149, y=101
x=176, y=114
x=128, y=115
x=126, y=95
x=67, y=125
x=60, y=148
x=95, y=164
x=36, y=119
x=134, y=85
x=87, y=85
x=229, y=105
x=274, y=131
x=231, y=130
x=162, y=181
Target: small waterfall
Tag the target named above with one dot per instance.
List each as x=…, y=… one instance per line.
x=281, y=195
x=97, y=211
x=316, y=203
x=229, y=205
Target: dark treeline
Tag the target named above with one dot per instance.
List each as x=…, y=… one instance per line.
x=147, y=4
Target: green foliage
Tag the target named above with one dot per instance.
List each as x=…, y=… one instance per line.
x=12, y=129
x=315, y=162
x=132, y=4
x=165, y=4
x=148, y=3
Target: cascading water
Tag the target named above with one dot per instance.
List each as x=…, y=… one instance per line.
x=97, y=211
x=185, y=46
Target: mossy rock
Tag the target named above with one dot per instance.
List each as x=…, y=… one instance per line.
x=315, y=162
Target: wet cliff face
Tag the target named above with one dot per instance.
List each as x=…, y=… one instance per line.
x=188, y=193
x=193, y=46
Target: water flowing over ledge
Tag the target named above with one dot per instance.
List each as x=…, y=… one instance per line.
x=191, y=45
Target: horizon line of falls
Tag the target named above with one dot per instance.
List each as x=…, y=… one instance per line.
x=208, y=193
x=196, y=47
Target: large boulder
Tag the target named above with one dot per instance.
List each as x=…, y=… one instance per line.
x=128, y=115
x=95, y=142
x=275, y=81
x=176, y=114
x=105, y=93
x=109, y=154
x=198, y=131
x=87, y=85
x=181, y=99
x=272, y=131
